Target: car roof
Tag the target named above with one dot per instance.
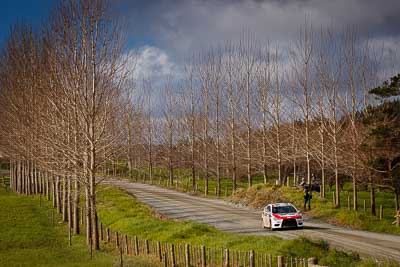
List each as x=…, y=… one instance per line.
x=279, y=204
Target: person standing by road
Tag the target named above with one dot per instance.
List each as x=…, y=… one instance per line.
x=307, y=198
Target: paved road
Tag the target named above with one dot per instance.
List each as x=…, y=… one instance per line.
x=228, y=218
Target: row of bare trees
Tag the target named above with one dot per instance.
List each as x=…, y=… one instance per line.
x=60, y=106
x=247, y=109
x=243, y=110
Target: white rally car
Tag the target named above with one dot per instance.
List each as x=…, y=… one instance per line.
x=281, y=215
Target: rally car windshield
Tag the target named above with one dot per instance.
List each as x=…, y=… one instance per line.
x=284, y=209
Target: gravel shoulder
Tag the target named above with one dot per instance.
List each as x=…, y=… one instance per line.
x=241, y=220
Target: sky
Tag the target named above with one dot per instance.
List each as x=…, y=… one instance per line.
x=30, y=11
x=164, y=32
x=167, y=31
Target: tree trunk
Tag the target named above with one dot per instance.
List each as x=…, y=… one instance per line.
x=218, y=143
x=69, y=201
x=354, y=174
x=54, y=189
x=372, y=196
x=76, y=213
x=64, y=199
x=206, y=175
x=58, y=197
x=264, y=151
x=170, y=170
x=93, y=209
x=322, y=189
x=95, y=228
x=150, y=159
x=192, y=147
x=234, y=178
x=355, y=193
x=47, y=186
x=396, y=199
x=233, y=148
x=337, y=185
x=88, y=217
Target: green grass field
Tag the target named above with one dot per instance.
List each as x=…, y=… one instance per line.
x=28, y=238
x=122, y=212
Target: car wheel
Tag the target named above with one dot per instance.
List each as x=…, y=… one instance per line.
x=270, y=226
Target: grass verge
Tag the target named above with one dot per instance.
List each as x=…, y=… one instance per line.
x=28, y=238
x=122, y=212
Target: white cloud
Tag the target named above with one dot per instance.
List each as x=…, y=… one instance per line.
x=154, y=64
x=150, y=68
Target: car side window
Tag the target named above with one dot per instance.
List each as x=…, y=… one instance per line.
x=269, y=209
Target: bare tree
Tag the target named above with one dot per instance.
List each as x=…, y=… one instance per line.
x=230, y=60
x=302, y=78
x=264, y=84
x=247, y=53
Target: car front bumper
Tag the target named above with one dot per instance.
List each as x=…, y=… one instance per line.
x=286, y=223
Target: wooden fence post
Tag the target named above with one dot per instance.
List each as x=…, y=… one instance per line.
x=227, y=263
x=251, y=255
x=280, y=261
x=380, y=212
x=159, y=251
x=126, y=245
x=187, y=255
x=108, y=235
x=117, y=239
x=172, y=255
x=146, y=242
x=364, y=206
x=203, y=256
x=165, y=260
x=121, y=262
x=222, y=257
x=136, y=246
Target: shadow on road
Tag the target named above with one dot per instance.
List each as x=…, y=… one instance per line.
x=304, y=228
x=314, y=227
